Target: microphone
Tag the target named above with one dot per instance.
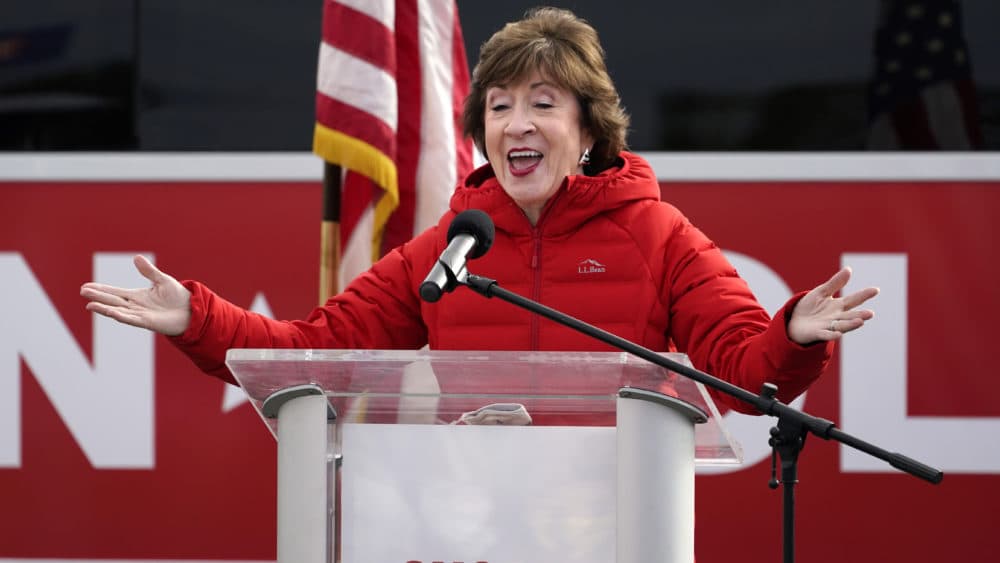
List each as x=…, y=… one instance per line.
x=470, y=235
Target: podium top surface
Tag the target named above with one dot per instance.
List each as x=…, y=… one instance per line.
x=439, y=387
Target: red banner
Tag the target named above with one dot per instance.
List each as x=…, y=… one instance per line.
x=113, y=446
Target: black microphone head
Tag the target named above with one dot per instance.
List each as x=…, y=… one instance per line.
x=476, y=223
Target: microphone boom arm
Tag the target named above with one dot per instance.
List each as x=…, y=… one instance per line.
x=765, y=401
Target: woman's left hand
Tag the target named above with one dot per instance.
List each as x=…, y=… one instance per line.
x=819, y=316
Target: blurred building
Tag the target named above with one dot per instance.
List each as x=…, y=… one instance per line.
x=228, y=76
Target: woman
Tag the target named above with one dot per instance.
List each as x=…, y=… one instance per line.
x=579, y=228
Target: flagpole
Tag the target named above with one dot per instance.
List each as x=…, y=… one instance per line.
x=329, y=247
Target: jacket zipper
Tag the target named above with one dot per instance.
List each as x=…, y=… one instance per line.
x=536, y=267
x=536, y=290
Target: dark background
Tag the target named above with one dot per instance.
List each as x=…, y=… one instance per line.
x=224, y=75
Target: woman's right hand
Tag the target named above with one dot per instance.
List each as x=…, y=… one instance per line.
x=165, y=307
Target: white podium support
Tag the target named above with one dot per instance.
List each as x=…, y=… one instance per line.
x=655, y=481
x=605, y=472
x=304, y=487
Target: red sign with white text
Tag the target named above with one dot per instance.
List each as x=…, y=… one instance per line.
x=192, y=475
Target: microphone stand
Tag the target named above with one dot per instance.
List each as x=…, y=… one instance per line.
x=787, y=438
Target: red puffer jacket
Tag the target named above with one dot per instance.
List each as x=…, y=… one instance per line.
x=605, y=250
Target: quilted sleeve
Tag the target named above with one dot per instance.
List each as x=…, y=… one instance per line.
x=717, y=321
x=378, y=310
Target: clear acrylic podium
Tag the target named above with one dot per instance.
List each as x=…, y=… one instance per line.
x=377, y=463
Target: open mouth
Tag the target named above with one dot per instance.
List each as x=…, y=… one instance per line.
x=523, y=161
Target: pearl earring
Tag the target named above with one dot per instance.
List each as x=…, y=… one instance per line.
x=585, y=158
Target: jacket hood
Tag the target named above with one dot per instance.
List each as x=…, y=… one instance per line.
x=577, y=200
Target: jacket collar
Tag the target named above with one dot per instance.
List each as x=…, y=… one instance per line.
x=578, y=199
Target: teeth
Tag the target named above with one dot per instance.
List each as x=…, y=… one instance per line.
x=524, y=154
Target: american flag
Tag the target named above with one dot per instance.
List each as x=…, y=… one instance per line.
x=922, y=96
x=390, y=84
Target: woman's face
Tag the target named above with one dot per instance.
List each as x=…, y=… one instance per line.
x=534, y=139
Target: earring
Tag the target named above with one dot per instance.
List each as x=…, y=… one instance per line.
x=585, y=158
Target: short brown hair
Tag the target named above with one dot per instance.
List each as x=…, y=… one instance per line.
x=566, y=50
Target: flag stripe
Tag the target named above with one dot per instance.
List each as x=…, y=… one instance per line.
x=358, y=220
x=383, y=11
x=354, y=122
x=358, y=34
x=460, y=81
x=967, y=95
x=436, y=169
x=910, y=121
x=882, y=134
x=410, y=58
x=371, y=88
x=942, y=107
